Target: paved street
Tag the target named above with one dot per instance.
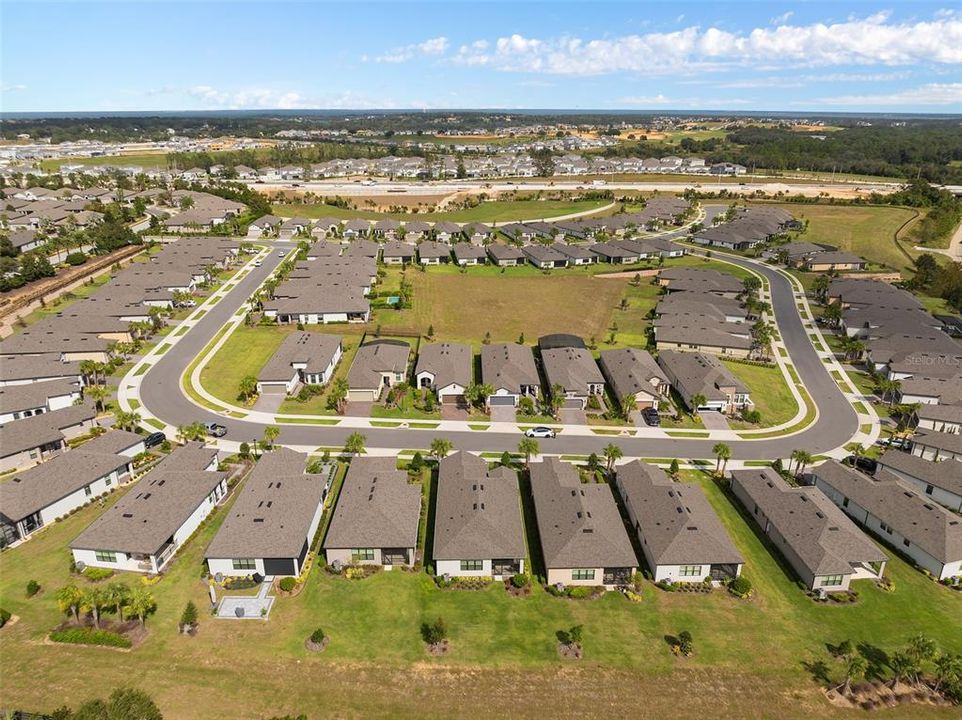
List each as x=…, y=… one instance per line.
x=161, y=394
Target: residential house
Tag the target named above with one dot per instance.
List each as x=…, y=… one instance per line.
x=433, y=253
x=468, y=254
x=824, y=548
x=583, y=539
x=568, y=364
x=545, y=257
x=477, y=520
x=931, y=445
x=446, y=232
x=505, y=255
x=631, y=372
x=395, y=252
x=680, y=534
x=941, y=481
x=694, y=374
x=143, y=530
x=894, y=511
x=273, y=521
x=510, y=369
x=26, y=400
x=303, y=357
x=447, y=369
x=34, y=439
x=378, y=364
x=375, y=521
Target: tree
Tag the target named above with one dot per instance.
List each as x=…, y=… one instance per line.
x=920, y=649
x=188, y=618
x=612, y=454
x=722, y=453
x=685, y=643
x=803, y=459
x=354, y=445
x=248, y=387
x=194, y=431
x=751, y=285
x=69, y=600
x=128, y=420
x=947, y=668
x=697, y=400
x=97, y=393
x=118, y=595
x=903, y=667
x=338, y=395
x=855, y=667
x=141, y=604
x=528, y=447
x=123, y=704
x=94, y=600
x=629, y=403
x=673, y=469
x=270, y=435
x=440, y=447
x=434, y=633
x=555, y=400
x=576, y=634
x=506, y=460
x=820, y=288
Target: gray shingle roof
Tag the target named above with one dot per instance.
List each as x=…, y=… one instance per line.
x=508, y=366
x=572, y=368
x=679, y=525
x=377, y=508
x=579, y=524
x=33, y=395
x=38, y=430
x=315, y=350
x=376, y=357
x=630, y=371
x=272, y=515
x=946, y=474
x=817, y=531
x=448, y=362
x=478, y=512
x=951, y=442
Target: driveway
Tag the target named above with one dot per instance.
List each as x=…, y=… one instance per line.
x=454, y=412
x=503, y=413
x=356, y=408
x=269, y=402
x=714, y=420
x=573, y=416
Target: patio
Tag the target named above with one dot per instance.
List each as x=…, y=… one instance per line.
x=256, y=607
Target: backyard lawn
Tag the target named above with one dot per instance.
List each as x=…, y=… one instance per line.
x=503, y=649
x=769, y=391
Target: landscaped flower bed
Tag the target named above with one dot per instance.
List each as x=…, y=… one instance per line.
x=463, y=583
x=577, y=592
x=90, y=636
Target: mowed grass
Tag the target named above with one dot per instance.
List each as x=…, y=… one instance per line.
x=244, y=353
x=503, y=650
x=867, y=231
x=769, y=391
x=144, y=160
x=488, y=212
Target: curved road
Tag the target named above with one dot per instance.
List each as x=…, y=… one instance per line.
x=837, y=422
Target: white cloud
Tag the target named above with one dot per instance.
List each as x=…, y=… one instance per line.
x=783, y=18
x=645, y=100
x=431, y=47
x=247, y=98
x=932, y=94
x=13, y=87
x=872, y=40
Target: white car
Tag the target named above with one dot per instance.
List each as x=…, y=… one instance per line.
x=539, y=432
x=281, y=253
x=257, y=263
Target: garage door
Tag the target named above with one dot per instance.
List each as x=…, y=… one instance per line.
x=575, y=403
x=272, y=388
x=278, y=566
x=453, y=399
x=501, y=400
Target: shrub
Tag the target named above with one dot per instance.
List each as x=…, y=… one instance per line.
x=90, y=636
x=434, y=633
x=685, y=642
x=740, y=586
x=576, y=634
x=4, y=617
x=633, y=596
x=76, y=258
x=317, y=637
x=33, y=587
x=189, y=616
x=288, y=584
x=580, y=592
x=95, y=574
x=520, y=580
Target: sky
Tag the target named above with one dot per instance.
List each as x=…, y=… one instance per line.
x=844, y=56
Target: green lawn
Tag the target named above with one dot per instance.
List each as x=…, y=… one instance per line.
x=493, y=211
x=769, y=391
x=144, y=160
x=244, y=353
x=867, y=231
x=502, y=648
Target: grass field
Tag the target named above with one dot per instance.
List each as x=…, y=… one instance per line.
x=144, y=160
x=771, y=395
x=866, y=231
x=494, y=211
x=502, y=648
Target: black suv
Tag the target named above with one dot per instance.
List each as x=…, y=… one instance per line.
x=651, y=417
x=866, y=465
x=154, y=439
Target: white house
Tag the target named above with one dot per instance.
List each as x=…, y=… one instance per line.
x=446, y=368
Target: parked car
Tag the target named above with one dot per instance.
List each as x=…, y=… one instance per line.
x=651, y=417
x=281, y=253
x=896, y=442
x=154, y=439
x=866, y=465
x=215, y=429
x=257, y=263
x=539, y=432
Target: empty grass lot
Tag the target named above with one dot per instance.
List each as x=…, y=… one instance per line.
x=502, y=657
x=867, y=231
x=769, y=391
x=487, y=212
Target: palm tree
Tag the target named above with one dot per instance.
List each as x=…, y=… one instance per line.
x=97, y=393
x=94, y=600
x=338, y=395
x=440, y=447
x=697, y=400
x=194, y=431
x=88, y=369
x=270, y=435
x=556, y=399
x=629, y=403
x=354, y=445
x=528, y=447
x=802, y=460
x=141, y=604
x=855, y=668
x=248, y=387
x=118, y=595
x=903, y=667
x=722, y=453
x=612, y=454
x=947, y=667
x=128, y=420
x=69, y=600
x=921, y=649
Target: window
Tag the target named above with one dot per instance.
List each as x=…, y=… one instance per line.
x=108, y=481
x=906, y=542
x=582, y=574
x=244, y=564
x=829, y=580
x=362, y=554
x=844, y=502
x=928, y=489
x=87, y=491
x=105, y=556
x=690, y=570
x=467, y=565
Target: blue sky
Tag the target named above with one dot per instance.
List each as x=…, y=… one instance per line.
x=839, y=56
